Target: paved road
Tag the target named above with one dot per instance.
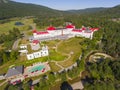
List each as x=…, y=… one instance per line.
x=15, y=45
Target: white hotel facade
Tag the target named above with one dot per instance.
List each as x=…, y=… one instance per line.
x=69, y=30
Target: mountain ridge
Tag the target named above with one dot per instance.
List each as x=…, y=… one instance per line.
x=18, y=9
x=87, y=10
x=15, y=9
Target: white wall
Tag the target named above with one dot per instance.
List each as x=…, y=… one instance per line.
x=30, y=56
x=23, y=46
x=65, y=31
x=41, y=53
x=41, y=35
x=37, y=54
x=23, y=51
x=83, y=34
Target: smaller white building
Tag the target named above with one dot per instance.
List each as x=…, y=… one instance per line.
x=38, y=54
x=23, y=46
x=44, y=51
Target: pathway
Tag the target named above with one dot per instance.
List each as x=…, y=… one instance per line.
x=56, y=48
x=97, y=55
x=3, y=83
x=15, y=45
x=105, y=55
x=56, y=62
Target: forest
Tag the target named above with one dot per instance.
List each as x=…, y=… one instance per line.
x=103, y=75
x=7, y=41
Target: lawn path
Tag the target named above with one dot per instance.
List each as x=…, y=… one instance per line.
x=56, y=49
x=56, y=62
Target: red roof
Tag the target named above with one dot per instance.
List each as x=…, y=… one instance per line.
x=77, y=30
x=51, y=28
x=35, y=41
x=94, y=29
x=83, y=28
x=70, y=26
x=44, y=32
x=41, y=32
x=35, y=31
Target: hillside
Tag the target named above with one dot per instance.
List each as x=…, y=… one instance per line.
x=87, y=10
x=113, y=12
x=110, y=12
x=15, y=9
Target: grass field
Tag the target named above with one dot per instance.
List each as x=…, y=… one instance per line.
x=54, y=67
x=51, y=44
x=66, y=64
x=4, y=28
x=56, y=56
x=71, y=45
x=68, y=46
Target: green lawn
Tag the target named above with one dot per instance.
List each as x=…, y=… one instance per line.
x=67, y=63
x=51, y=44
x=54, y=67
x=71, y=45
x=56, y=56
x=4, y=28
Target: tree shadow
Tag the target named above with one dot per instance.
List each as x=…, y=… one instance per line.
x=66, y=86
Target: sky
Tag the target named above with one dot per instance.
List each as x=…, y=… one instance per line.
x=73, y=4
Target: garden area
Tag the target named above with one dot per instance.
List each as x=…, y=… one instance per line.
x=64, y=53
x=64, y=49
